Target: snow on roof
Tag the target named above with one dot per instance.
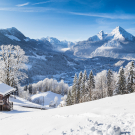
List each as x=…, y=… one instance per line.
x=5, y=89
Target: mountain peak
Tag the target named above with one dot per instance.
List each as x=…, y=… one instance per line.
x=101, y=35
x=10, y=32
x=13, y=29
x=101, y=32
x=121, y=34
x=119, y=29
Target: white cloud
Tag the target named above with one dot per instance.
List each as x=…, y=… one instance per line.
x=50, y=1
x=41, y=2
x=21, y=5
x=29, y=9
x=104, y=15
x=44, y=9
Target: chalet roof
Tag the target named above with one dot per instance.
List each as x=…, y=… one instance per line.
x=5, y=89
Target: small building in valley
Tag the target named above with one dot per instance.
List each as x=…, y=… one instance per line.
x=5, y=92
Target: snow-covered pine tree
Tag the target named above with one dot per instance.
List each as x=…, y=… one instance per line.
x=30, y=88
x=91, y=85
x=78, y=87
x=121, y=84
x=25, y=88
x=82, y=89
x=109, y=83
x=68, y=100
x=129, y=85
x=130, y=73
x=85, y=75
x=74, y=89
x=85, y=80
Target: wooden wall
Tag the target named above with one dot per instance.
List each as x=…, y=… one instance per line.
x=5, y=99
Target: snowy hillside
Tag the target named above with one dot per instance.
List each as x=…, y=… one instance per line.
x=108, y=116
x=100, y=36
x=17, y=101
x=46, y=97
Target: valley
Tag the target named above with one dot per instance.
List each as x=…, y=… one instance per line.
x=47, y=60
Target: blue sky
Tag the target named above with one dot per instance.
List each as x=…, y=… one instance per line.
x=71, y=20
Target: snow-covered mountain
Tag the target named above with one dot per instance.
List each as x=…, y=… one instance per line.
x=118, y=44
x=120, y=34
x=15, y=37
x=57, y=44
x=46, y=61
x=117, y=34
x=100, y=36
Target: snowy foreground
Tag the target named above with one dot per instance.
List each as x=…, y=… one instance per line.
x=108, y=116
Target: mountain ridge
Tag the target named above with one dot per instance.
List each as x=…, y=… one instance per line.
x=46, y=61
x=119, y=42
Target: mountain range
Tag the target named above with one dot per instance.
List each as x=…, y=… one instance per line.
x=57, y=44
x=52, y=58
x=118, y=44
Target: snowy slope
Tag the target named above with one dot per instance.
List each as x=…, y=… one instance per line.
x=17, y=101
x=12, y=37
x=108, y=116
x=121, y=34
x=100, y=36
x=48, y=97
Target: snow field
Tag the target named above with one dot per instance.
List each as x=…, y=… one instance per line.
x=12, y=37
x=17, y=101
x=108, y=116
x=48, y=97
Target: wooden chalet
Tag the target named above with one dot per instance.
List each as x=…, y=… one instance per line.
x=5, y=92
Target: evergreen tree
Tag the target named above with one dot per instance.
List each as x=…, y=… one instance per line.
x=121, y=84
x=30, y=88
x=131, y=77
x=129, y=85
x=109, y=83
x=78, y=87
x=25, y=88
x=82, y=89
x=85, y=75
x=74, y=89
x=85, y=81
x=68, y=100
x=91, y=84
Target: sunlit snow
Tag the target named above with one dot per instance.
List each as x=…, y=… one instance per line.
x=12, y=37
